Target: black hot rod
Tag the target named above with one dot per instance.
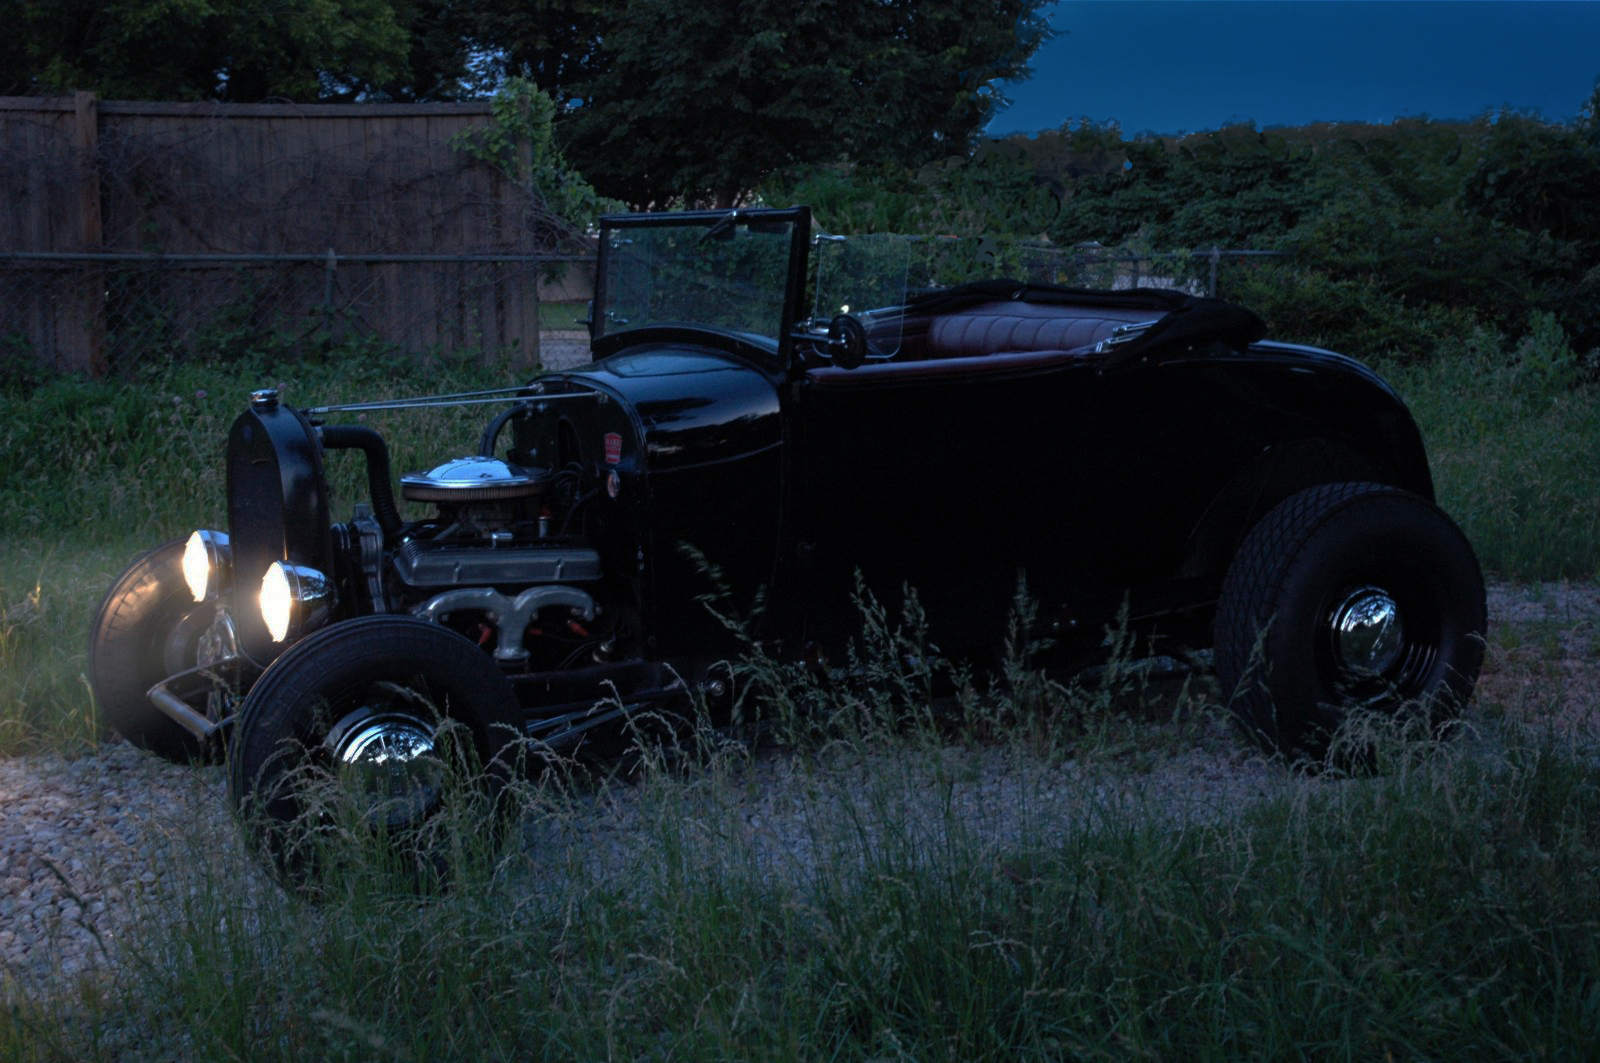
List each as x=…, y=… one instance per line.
x=776, y=401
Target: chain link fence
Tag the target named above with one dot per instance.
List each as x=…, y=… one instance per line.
x=117, y=311
x=61, y=311
x=1203, y=272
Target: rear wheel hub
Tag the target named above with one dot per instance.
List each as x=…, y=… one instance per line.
x=1368, y=636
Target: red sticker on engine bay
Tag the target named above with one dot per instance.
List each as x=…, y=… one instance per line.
x=613, y=448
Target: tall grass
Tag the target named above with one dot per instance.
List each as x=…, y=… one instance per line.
x=1514, y=438
x=98, y=470
x=1447, y=909
x=109, y=461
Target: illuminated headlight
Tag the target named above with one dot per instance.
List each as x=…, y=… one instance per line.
x=294, y=599
x=207, y=564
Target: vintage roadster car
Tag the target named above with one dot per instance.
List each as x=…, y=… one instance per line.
x=773, y=404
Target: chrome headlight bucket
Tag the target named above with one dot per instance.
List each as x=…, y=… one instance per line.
x=295, y=599
x=207, y=564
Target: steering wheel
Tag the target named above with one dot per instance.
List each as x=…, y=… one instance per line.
x=847, y=342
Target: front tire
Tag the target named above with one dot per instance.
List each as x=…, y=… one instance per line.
x=147, y=628
x=1348, y=597
x=368, y=726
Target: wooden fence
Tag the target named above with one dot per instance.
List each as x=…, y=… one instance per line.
x=80, y=177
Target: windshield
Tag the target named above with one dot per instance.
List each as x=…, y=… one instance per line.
x=864, y=276
x=729, y=271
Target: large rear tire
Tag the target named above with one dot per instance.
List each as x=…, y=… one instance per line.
x=147, y=628
x=1348, y=597
x=371, y=726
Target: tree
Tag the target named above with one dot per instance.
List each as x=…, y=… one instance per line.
x=1536, y=176
x=439, y=56
x=553, y=43
x=208, y=49
x=520, y=142
x=695, y=104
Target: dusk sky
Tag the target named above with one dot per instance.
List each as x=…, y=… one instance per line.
x=1169, y=65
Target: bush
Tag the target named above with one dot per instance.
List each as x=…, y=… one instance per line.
x=1358, y=316
x=1512, y=432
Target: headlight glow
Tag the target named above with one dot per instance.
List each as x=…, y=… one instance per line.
x=207, y=563
x=294, y=599
x=277, y=603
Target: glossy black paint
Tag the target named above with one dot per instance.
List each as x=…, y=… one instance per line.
x=1090, y=480
x=1098, y=478
x=706, y=451
x=277, y=508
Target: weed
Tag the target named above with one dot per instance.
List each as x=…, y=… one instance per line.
x=1512, y=439
x=1445, y=909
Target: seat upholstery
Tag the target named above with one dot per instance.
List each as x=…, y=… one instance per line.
x=996, y=327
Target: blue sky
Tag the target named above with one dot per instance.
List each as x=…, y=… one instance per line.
x=1168, y=65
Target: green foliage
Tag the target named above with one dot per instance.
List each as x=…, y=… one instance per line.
x=1535, y=176
x=1236, y=187
x=1444, y=910
x=142, y=455
x=696, y=104
x=208, y=49
x=853, y=197
x=1539, y=183
x=20, y=371
x=915, y=908
x=520, y=141
x=1403, y=237
x=556, y=44
x=1358, y=316
x=978, y=213
x=1512, y=436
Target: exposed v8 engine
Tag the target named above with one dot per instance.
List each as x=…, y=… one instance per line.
x=493, y=565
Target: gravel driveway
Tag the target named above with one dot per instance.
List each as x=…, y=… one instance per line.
x=80, y=839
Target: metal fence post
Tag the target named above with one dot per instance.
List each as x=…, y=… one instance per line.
x=327, y=295
x=1216, y=257
x=85, y=324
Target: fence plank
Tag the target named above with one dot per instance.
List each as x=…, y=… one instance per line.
x=85, y=344
x=260, y=179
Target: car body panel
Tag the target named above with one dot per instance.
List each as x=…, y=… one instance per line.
x=704, y=452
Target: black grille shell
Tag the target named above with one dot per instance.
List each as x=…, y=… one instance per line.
x=277, y=510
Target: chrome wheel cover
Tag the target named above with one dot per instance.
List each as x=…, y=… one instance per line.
x=387, y=760
x=1366, y=631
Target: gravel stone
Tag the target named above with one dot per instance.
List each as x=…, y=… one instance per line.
x=89, y=844
x=75, y=832
x=564, y=348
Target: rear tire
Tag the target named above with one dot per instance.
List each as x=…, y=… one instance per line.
x=147, y=628
x=1348, y=597
x=348, y=728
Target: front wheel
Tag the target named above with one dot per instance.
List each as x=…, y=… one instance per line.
x=367, y=731
x=1348, y=597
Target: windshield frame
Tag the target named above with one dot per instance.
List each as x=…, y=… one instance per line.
x=794, y=295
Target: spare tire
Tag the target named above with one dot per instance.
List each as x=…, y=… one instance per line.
x=147, y=628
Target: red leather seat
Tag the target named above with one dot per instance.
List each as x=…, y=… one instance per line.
x=1014, y=327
